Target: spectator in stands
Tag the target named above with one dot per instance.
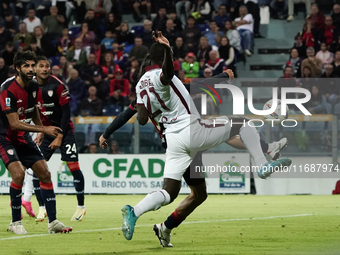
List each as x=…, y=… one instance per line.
x=317, y=18
x=279, y=8
x=328, y=34
x=254, y=10
x=108, y=40
x=92, y=105
x=222, y=17
x=116, y=53
x=23, y=38
x=244, y=25
x=201, y=10
x=101, y=8
x=308, y=37
x=54, y=23
x=233, y=36
x=44, y=42
x=295, y=62
x=114, y=148
x=314, y=63
x=325, y=55
x=177, y=23
x=170, y=33
x=8, y=54
x=191, y=67
x=214, y=34
x=336, y=16
x=227, y=52
x=119, y=89
x=65, y=43
x=287, y=80
x=191, y=35
x=317, y=104
x=87, y=37
x=112, y=23
x=183, y=9
x=138, y=5
x=291, y=8
x=87, y=71
x=147, y=33
x=235, y=7
x=336, y=63
x=55, y=70
x=34, y=47
x=102, y=86
x=215, y=63
x=5, y=35
x=90, y=148
x=65, y=68
x=203, y=51
x=331, y=85
x=138, y=51
x=93, y=23
x=160, y=20
x=179, y=50
x=124, y=37
x=301, y=48
x=11, y=23
x=77, y=56
x=77, y=89
x=31, y=21
x=181, y=76
x=3, y=70
x=108, y=66
x=132, y=73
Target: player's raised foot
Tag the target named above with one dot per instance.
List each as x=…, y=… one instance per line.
x=129, y=221
x=163, y=237
x=41, y=214
x=58, y=227
x=17, y=228
x=270, y=167
x=278, y=147
x=79, y=214
x=28, y=207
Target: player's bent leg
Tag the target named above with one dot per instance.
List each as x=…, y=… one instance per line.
x=42, y=214
x=152, y=202
x=16, y=170
x=79, y=183
x=41, y=170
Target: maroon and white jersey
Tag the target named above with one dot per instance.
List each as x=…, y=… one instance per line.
x=14, y=98
x=170, y=104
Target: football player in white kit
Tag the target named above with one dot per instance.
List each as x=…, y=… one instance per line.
x=162, y=97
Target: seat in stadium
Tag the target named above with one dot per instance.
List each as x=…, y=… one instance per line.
x=123, y=136
x=337, y=109
x=80, y=138
x=73, y=31
x=111, y=110
x=137, y=30
x=203, y=27
x=314, y=126
x=55, y=60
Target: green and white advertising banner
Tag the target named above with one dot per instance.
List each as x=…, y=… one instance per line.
x=141, y=174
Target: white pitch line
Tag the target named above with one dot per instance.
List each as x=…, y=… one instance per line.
x=138, y=226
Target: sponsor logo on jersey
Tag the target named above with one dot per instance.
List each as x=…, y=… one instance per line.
x=34, y=94
x=232, y=178
x=65, y=178
x=10, y=152
x=50, y=93
x=65, y=93
x=8, y=103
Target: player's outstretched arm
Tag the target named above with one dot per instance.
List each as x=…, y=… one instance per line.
x=117, y=123
x=16, y=124
x=168, y=66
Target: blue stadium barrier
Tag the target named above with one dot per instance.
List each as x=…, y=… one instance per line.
x=111, y=110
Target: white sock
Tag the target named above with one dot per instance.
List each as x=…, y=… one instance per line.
x=165, y=229
x=28, y=189
x=152, y=201
x=42, y=207
x=81, y=206
x=251, y=139
x=271, y=147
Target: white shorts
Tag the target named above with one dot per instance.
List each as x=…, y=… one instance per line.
x=199, y=136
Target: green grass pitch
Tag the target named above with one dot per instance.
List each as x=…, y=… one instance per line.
x=224, y=224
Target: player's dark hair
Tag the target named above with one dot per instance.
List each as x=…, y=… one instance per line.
x=22, y=57
x=156, y=53
x=146, y=62
x=43, y=58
